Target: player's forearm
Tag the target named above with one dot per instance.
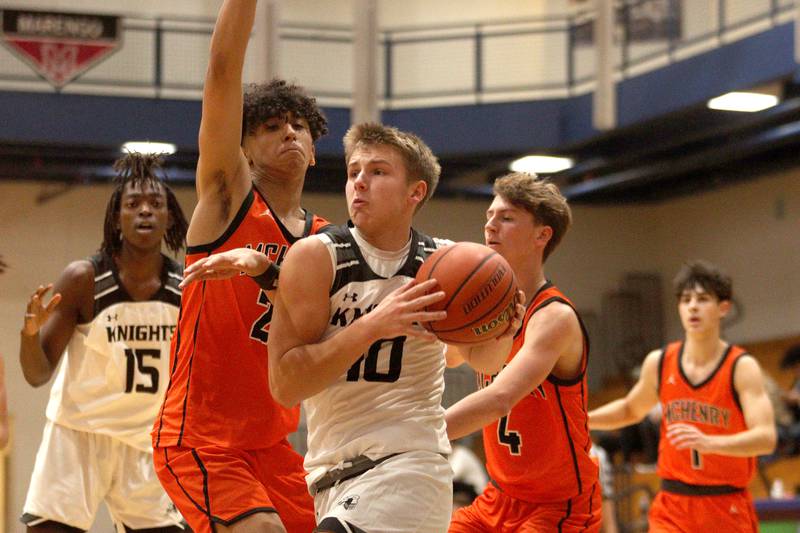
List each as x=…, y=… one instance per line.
x=308, y=369
x=759, y=440
x=36, y=367
x=613, y=415
x=474, y=412
x=230, y=38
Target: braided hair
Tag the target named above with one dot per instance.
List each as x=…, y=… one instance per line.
x=139, y=170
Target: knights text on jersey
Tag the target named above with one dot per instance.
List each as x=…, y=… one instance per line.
x=539, y=452
x=712, y=406
x=115, y=368
x=219, y=387
x=389, y=401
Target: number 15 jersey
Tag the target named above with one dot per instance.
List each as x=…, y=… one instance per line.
x=115, y=368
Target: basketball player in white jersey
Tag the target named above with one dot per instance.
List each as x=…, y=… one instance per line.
x=346, y=340
x=112, y=316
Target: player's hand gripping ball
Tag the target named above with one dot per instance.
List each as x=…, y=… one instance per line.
x=480, y=292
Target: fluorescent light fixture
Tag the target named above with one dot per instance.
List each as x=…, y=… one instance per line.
x=746, y=102
x=147, y=147
x=541, y=164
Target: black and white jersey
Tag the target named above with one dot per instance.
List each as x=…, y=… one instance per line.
x=115, y=369
x=389, y=400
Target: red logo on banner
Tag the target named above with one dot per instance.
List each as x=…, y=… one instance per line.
x=60, y=46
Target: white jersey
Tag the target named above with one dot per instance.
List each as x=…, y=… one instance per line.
x=389, y=401
x=115, y=369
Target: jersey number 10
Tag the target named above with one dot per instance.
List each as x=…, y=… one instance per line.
x=371, y=362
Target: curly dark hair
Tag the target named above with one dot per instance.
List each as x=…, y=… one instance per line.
x=709, y=277
x=140, y=170
x=262, y=101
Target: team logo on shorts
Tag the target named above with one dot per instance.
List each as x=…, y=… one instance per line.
x=349, y=502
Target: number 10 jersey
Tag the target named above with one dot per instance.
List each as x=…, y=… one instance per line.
x=115, y=369
x=389, y=401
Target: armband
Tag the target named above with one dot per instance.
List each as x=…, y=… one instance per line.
x=268, y=280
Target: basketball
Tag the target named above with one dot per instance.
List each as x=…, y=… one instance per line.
x=479, y=288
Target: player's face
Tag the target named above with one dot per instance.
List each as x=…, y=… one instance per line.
x=143, y=215
x=509, y=230
x=282, y=145
x=701, y=311
x=378, y=190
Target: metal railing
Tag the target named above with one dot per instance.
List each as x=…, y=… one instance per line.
x=428, y=64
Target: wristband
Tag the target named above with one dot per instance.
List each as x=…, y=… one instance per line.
x=268, y=280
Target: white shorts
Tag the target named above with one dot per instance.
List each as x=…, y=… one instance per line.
x=412, y=492
x=76, y=470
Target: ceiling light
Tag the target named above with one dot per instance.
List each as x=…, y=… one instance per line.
x=541, y=164
x=147, y=147
x=747, y=102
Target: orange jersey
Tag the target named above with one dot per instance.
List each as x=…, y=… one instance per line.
x=539, y=452
x=713, y=407
x=219, y=388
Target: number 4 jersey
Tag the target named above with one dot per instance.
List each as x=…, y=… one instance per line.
x=539, y=452
x=115, y=368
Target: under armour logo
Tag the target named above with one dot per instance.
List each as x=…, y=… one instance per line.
x=733, y=509
x=111, y=317
x=671, y=379
x=348, y=502
x=353, y=295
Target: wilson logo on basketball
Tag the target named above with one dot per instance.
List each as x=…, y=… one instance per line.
x=486, y=290
x=60, y=46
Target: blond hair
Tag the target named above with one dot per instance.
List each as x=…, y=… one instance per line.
x=420, y=162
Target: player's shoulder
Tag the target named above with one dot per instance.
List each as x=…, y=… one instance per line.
x=80, y=272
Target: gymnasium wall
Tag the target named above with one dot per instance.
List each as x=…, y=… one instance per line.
x=751, y=229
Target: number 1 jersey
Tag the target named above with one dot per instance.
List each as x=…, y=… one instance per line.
x=114, y=372
x=219, y=387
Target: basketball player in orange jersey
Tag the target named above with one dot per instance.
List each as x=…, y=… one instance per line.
x=716, y=416
x=219, y=440
x=533, y=412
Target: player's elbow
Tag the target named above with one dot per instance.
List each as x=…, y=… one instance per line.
x=36, y=378
x=770, y=440
x=282, y=392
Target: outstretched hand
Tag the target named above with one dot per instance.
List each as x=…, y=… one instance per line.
x=37, y=313
x=226, y=265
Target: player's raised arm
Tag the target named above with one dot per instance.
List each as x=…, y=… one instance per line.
x=638, y=402
x=48, y=326
x=223, y=177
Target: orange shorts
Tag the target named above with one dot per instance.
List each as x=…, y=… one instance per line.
x=496, y=512
x=678, y=513
x=213, y=484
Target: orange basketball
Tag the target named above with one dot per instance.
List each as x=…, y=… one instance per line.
x=479, y=288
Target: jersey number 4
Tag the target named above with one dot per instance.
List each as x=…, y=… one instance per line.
x=136, y=360
x=371, y=362
x=508, y=438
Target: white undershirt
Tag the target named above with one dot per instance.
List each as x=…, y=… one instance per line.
x=383, y=263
